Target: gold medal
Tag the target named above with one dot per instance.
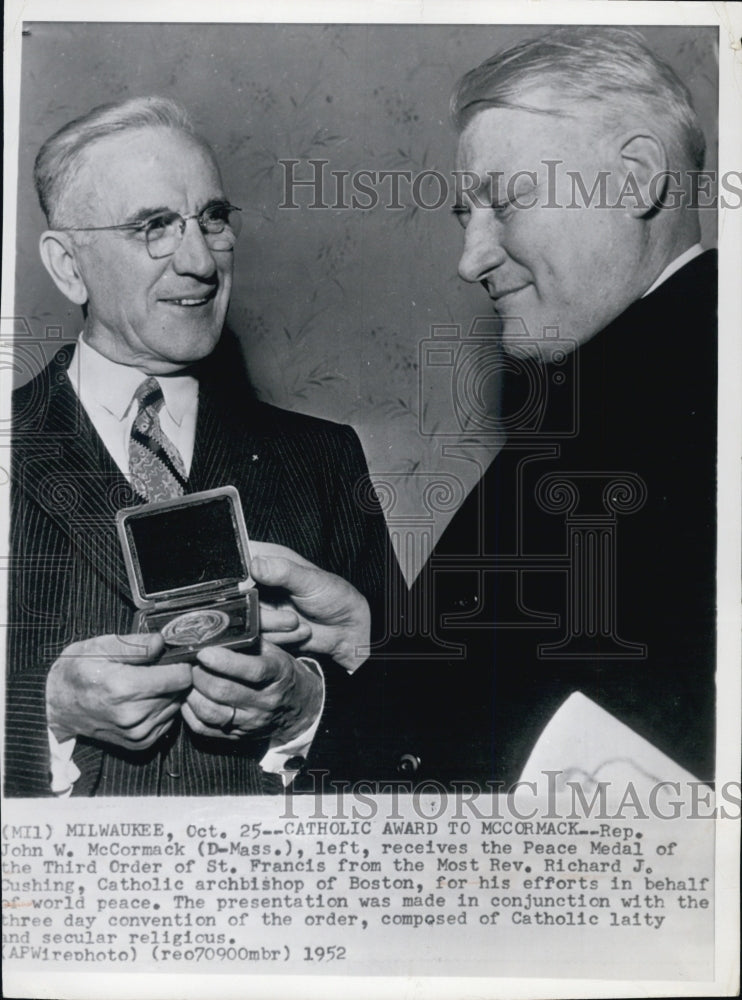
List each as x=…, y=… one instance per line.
x=194, y=628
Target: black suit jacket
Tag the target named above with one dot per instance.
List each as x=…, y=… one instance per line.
x=300, y=480
x=582, y=560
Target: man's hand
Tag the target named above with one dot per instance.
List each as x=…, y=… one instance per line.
x=317, y=611
x=263, y=693
x=107, y=688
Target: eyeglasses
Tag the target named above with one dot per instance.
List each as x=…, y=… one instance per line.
x=220, y=224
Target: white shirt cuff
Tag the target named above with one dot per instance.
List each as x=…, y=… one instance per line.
x=278, y=756
x=64, y=770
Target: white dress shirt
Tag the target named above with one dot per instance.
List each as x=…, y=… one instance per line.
x=106, y=391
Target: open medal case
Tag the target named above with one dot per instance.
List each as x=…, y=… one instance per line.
x=188, y=562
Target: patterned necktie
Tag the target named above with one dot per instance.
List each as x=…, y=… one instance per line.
x=157, y=471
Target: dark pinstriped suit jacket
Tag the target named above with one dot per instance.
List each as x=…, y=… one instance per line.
x=299, y=479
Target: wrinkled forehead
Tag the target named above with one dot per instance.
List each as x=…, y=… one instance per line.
x=510, y=139
x=121, y=174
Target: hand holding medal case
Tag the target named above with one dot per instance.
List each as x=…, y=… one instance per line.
x=188, y=563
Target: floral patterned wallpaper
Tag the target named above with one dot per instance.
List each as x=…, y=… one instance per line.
x=333, y=306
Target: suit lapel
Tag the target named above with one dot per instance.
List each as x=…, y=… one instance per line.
x=75, y=481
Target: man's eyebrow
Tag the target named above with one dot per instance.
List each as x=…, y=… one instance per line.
x=142, y=214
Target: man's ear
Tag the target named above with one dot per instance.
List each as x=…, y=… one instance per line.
x=645, y=177
x=58, y=255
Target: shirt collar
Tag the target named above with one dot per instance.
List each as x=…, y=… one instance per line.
x=685, y=258
x=100, y=382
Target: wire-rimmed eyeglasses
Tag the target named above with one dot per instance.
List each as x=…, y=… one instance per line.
x=220, y=224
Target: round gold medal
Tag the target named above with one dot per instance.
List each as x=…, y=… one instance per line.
x=194, y=628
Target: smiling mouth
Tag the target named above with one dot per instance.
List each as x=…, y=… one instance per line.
x=191, y=301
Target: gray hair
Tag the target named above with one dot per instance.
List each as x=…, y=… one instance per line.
x=59, y=158
x=611, y=70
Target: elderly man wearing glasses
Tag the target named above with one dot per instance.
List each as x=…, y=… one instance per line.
x=142, y=408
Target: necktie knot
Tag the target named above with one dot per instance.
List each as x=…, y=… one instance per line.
x=149, y=395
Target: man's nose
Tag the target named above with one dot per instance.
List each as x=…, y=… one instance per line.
x=483, y=250
x=193, y=255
